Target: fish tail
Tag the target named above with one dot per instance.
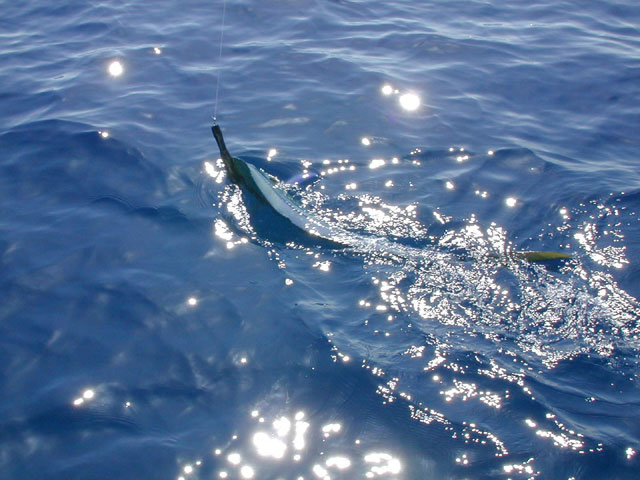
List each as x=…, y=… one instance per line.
x=217, y=134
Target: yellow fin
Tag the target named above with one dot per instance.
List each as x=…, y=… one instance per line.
x=540, y=256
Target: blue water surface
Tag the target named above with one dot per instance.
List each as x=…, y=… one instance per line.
x=158, y=322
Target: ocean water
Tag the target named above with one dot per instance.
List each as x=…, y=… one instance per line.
x=158, y=322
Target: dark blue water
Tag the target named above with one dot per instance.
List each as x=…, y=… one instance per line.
x=158, y=322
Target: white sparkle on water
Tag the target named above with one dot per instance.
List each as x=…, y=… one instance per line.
x=115, y=69
x=409, y=101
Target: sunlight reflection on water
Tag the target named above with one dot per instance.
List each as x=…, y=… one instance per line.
x=290, y=441
x=465, y=279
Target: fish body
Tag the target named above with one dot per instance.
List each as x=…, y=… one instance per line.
x=267, y=189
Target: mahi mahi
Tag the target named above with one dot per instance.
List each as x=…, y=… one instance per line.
x=265, y=188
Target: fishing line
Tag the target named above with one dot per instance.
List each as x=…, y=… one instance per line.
x=215, y=109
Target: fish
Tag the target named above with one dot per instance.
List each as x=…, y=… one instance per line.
x=266, y=188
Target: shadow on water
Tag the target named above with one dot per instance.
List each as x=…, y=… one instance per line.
x=66, y=163
x=56, y=160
